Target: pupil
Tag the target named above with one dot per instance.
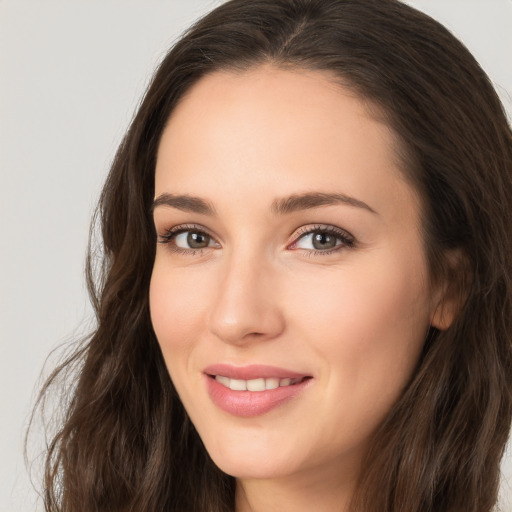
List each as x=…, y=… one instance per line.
x=198, y=240
x=323, y=241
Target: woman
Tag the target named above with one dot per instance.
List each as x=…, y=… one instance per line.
x=305, y=299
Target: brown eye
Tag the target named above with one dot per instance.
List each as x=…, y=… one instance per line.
x=322, y=241
x=196, y=240
x=182, y=239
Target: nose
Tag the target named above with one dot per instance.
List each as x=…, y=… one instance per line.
x=246, y=306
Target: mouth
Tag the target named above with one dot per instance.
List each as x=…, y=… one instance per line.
x=253, y=390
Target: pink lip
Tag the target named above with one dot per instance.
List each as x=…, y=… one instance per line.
x=251, y=403
x=253, y=371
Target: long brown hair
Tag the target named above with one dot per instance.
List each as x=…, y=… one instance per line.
x=126, y=443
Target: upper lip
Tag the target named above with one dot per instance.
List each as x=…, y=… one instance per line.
x=253, y=371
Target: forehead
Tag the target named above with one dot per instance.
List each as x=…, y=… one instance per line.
x=272, y=132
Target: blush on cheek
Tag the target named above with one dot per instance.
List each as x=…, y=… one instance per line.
x=173, y=310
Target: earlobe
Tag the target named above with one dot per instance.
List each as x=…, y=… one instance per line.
x=444, y=314
x=452, y=294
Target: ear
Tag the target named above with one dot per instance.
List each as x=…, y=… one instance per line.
x=451, y=292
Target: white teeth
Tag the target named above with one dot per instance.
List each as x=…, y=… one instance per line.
x=223, y=380
x=238, y=385
x=260, y=384
x=256, y=385
x=271, y=383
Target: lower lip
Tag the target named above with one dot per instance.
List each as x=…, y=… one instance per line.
x=252, y=403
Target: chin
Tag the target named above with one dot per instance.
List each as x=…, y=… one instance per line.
x=243, y=461
x=250, y=470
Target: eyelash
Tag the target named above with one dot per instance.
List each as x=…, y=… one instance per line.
x=347, y=240
x=170, y=235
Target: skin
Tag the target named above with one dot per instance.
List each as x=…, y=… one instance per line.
x=354, y=318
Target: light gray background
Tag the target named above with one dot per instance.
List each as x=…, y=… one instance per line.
x=71, y=75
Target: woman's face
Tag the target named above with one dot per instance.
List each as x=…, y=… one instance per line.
x=290, y=292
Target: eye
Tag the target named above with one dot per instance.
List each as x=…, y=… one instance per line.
x=187, y=239
x=323, y=240
x=193, y=240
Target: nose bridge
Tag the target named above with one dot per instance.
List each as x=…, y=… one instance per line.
x=246, y=305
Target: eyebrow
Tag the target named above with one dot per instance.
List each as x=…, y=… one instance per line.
x=185, y=203
x=280, y=206
x=314, y=200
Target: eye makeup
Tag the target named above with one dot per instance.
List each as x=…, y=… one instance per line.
x=315, y=240
x=188, y=239
x=322, y=239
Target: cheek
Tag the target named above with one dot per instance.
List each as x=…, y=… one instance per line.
x=369, y=326
x=359, y=301
x=176, y=305
x=176, y=310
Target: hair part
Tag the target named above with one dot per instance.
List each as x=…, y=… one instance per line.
x=127, y=444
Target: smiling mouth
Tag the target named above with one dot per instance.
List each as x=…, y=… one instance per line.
x=259, y=384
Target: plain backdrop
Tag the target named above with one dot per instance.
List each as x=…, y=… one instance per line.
x=71, y=74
